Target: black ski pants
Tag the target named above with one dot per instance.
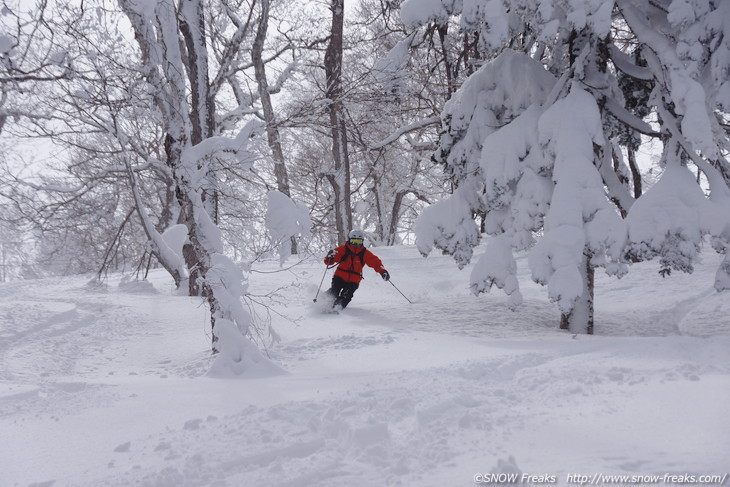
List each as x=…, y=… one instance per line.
x=342, y=291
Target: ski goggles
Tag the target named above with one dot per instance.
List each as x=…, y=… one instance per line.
x=356, y=241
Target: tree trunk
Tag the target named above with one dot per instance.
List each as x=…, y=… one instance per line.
x=443, y=31
x=272, y=131
x=580, y=319
x=340, y=179
x=394, y=218
x=191, y=21
x=635, y=173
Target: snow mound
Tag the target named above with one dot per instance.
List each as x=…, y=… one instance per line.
x=239, y=357
x=136, y=286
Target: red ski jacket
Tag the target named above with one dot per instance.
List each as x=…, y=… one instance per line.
x=351, y=261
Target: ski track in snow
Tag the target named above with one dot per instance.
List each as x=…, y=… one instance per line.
x=106, y=385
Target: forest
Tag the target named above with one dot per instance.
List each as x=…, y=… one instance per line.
x=200, y=136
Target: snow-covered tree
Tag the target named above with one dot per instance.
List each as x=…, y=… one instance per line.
x=539, y=142
x=273, y=134
x=30, y=55
x=339, y=178
x=172, y=41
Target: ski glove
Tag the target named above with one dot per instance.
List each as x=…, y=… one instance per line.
x=330, y=259
x=385, y=275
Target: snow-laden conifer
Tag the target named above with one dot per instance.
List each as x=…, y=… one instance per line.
x=541, y=142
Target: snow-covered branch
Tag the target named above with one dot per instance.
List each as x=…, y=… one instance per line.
x=625, y=64
x=404, y=130
x=629, y=119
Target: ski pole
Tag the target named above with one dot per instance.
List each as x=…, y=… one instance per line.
x=401, y=293
x=320, y=283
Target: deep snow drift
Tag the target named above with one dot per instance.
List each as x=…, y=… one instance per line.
x=107, y=385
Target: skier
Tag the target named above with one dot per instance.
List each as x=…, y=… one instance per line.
x=350, y=259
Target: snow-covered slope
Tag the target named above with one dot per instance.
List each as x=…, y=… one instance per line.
x=107, y=385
